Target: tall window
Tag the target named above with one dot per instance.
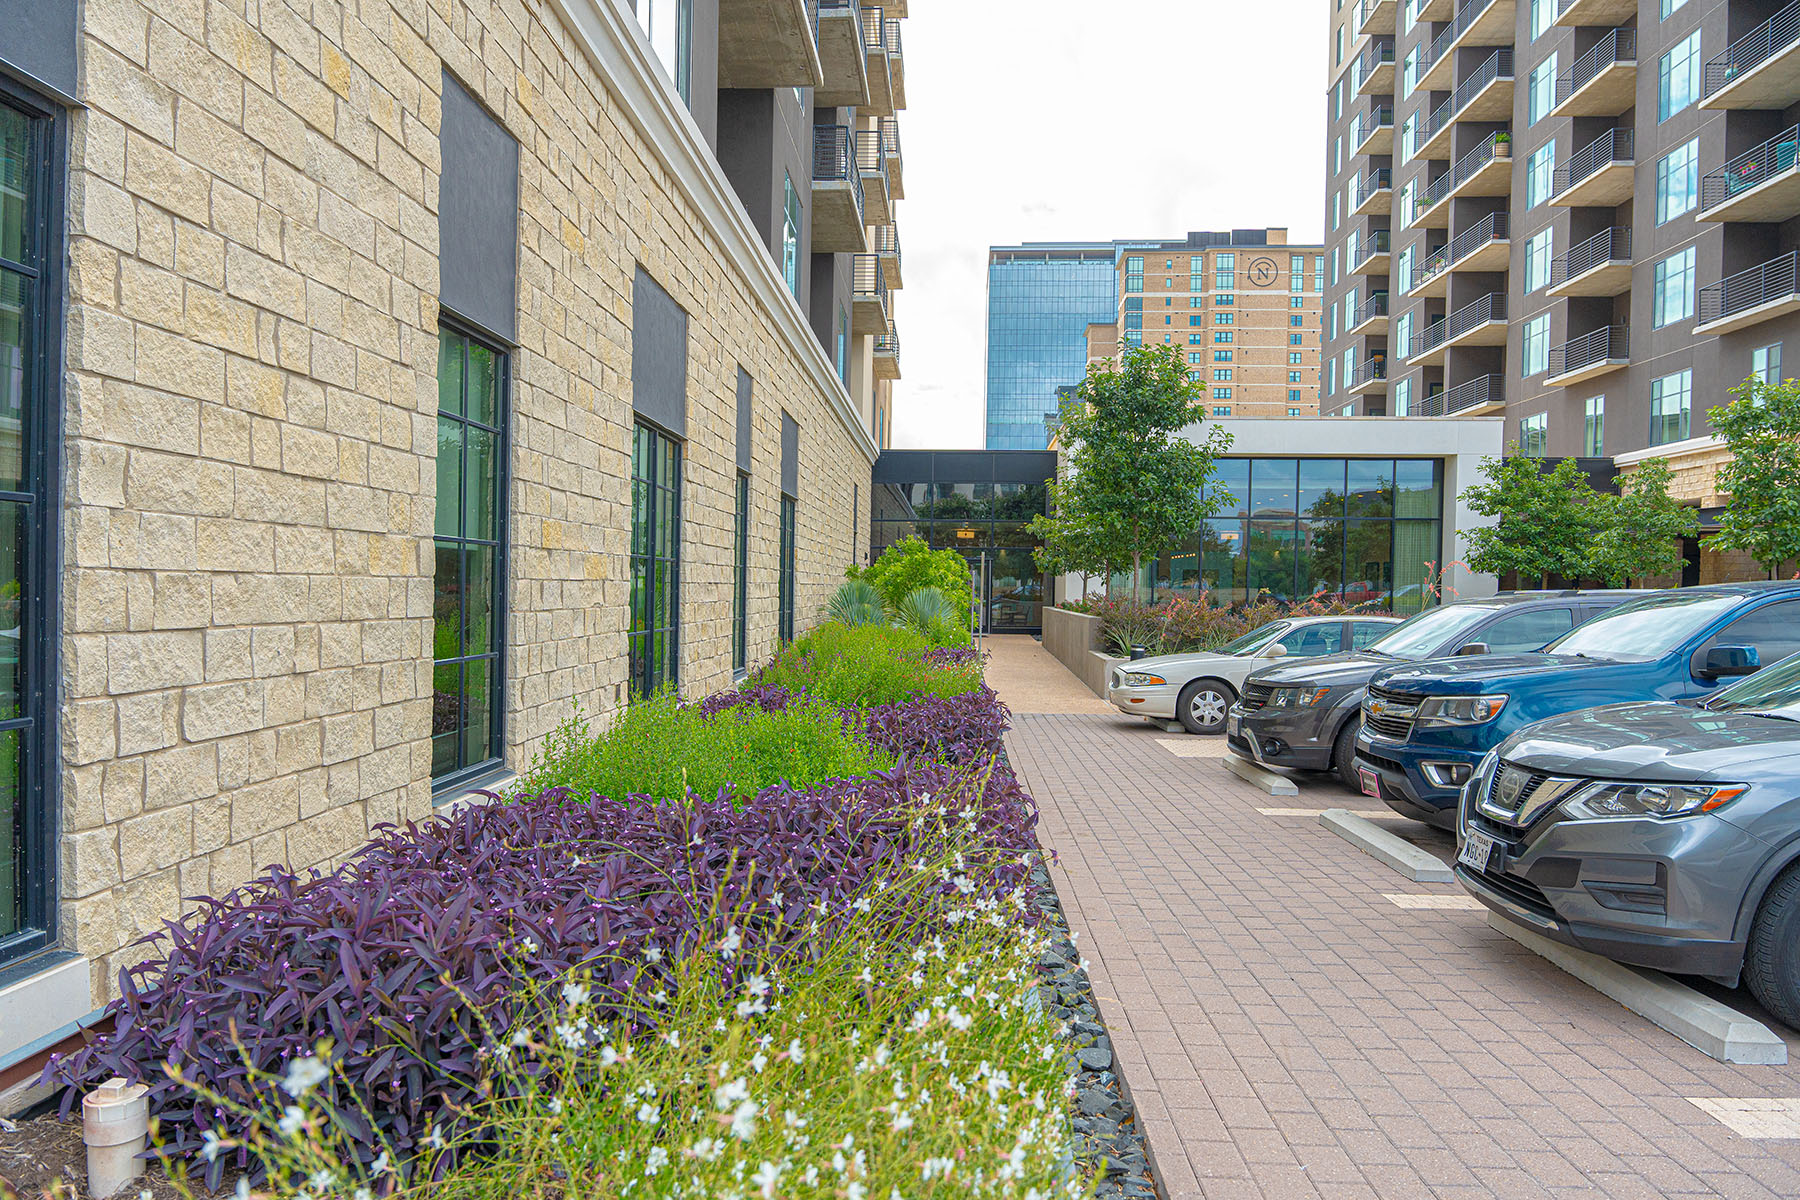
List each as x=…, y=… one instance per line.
x=740, y=569
x=1535, y=351
x=1534, y=435
x=1669, y=6
x=1543, y=15
x=1672, y=295
x=1677, y=181
x=655, y=560
x=468, y=582
x=1678, y=77
x=790, y=236
x=1409, y=135
x=1402, y=397
x=843, y=345
x=1538, y=249
x=1593, y=427
x=785, y=601
x=1403, y=268
x=1225, y=272
x=1543, y=87
x=1540, y=171
x=1403, y=334
x=1765, y=363
x=1409, y=72
x=1670, y=400
x=30, y=237
x=670, y=24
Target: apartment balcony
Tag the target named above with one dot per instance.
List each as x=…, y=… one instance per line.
x=876, y=62
x=1375, y=16
x=887, y=356
x=1373, y=72
x=1603, y=82
x=878, y=207
x=1370, y=375
x=1482, y=394
x=1486, y=95
x=845, y=66
x=1751, y=297
x=896, y=60
x=1588, y=356
x=1599, y=266
x=890, y=151
x=768, y=44
x=1762, y=184
x=1370, y=319
x=1477, y=23
x=1759, y=70
x=1599, y=175
x=1433, y=11
x=887, y=248
x=1482, y=323
x=1372, y=193
x=1431, y=204
x=1372, y=254
x=1595, y=12
x=839, y=223
x=1372, y=132
x=1484, y=171
x=868, y=296
x=1437, y=70
x=1483, y=247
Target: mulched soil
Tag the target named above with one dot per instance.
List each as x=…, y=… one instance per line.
x=43, y=1156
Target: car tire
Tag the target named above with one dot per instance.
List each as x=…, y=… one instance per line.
x=1772, y=957
x=1213, y=697
x=1343, y=755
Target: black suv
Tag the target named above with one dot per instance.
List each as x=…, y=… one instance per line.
x=1306, y=714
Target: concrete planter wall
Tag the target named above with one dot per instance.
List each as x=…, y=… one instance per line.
x=1074, y=640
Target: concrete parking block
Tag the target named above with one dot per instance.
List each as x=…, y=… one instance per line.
x=1703, y=1023
x=1372, y=813
x=1387, y=848
x=1750, y=1117
x=1449, y=903
x=1268, y=781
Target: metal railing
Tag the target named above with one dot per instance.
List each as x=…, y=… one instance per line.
x=1603, y=344
x=1430, y=337
x=1469, y=164
x=1433, y=193
x=1370, y=370
x=891, y=31
x=1365, y=11
x=1363, y=186
x=1754, y=48
x=1750, y=169
x=1483, y=389
x=1377, y=242
x=1496, y=66
x=1375, y=306
x=874, y=31
x=1459, y=25
x=887, y=241
x=1491, y=307
x=836, y=8
x=1491, y=228
x=869, y=149
x=867, y=282
x=1378, y=53
x=1607, y=246
x=890, y=136
x=887, y=344
x=834, y=152
x=1431, y=266
x=1381, y=116
x=1613, y=146
x=1618, y=46
x=1777, y=279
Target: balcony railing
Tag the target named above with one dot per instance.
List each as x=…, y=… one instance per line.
x=834, y=150
x=1465, y=17
x=1777, y=279
x=869, y=151
x=1433, y=193
x=891, y=35
x=1483, y=389
x=1379, y=117
x=1607, y=246
x=1613, y=146
x=1377, y=242
x=867, y=282
x=1754, y=48
x=1363, y=186
x=1605, y=344
x=1749, y=169
x=887, y=240
x=1491, y=307
x=1374, y=306
x=1370, y=370
x=1378, y=53
x=1365, y=11
x=890, y=136
x=874, y=31
x=1430, y=337
x=1471, y=163
x=1618, y=46
x=1491, y=228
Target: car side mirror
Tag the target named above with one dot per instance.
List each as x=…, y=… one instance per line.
x=1722, y=661
x=1275, y=650
x=1472, y=648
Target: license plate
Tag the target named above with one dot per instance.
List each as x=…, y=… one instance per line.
x=1371, y=782
x=1477, y=849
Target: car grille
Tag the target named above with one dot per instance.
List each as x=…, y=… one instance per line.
x=1516, y=796
x=1523, y=892
x=1390, y=714
x=1255, y=696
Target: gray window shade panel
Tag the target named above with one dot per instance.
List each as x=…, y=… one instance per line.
x=790, y=456
x=37, y=41
x=478, y=216
x=744, y=389
x=658, y=356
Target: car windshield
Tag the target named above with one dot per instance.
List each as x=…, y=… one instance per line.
x=1772, y=689
x=1421, y=636
x=1256, y=639
x=1645, y=629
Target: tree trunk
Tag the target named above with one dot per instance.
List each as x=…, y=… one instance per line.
x=1137, y=570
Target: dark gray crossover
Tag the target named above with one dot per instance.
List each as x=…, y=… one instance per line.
x=1306, y=714
x=1663, y=835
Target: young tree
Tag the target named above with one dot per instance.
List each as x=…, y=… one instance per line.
x=1070, y=544
x=1542, y=519
x=1639, y=531
x=1135, y=483
x=1761, y=428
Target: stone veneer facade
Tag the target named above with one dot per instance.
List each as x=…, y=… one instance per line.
x=250, y=435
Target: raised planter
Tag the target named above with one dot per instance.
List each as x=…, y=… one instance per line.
x=1074, y=640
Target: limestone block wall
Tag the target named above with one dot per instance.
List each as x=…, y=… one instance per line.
x=250, y=436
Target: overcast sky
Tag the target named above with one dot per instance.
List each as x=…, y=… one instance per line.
x=1070, y=120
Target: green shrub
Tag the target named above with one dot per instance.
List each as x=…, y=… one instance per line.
x=909, y=564
x=658, y=747
x=929, y=612
x=856, y=602
x=865, y=666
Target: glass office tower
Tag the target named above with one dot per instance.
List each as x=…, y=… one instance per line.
x=1041, y=299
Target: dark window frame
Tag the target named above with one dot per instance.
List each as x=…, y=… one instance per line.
x=790, y=520
x=643, y=671
x=740, y=581
x=41, y=456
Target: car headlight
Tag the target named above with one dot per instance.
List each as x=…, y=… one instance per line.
x=1143, y=679
x=1460, y=710
x=1297, y=697
x=1605, y=799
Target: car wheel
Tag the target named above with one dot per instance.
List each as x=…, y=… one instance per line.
x=1203, y=704
x=1343, y=755
x=1772, y=959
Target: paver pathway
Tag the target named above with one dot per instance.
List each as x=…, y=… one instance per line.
x=1288, y=1028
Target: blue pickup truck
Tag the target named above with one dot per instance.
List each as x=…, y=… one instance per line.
x=1426, y=725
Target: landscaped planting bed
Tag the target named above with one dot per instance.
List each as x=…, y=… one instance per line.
x=787, y=941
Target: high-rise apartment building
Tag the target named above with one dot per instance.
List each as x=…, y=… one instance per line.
x=1581, y=214
x=379, y=383
x=1244, y=305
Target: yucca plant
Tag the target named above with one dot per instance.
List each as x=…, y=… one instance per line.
x=929, y=611
x=857, y=603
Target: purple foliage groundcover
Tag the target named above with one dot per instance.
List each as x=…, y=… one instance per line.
x=392, y=955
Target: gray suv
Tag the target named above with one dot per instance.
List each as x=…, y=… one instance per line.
x=1657, y=834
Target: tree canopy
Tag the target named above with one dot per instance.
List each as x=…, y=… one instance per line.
x=1761, y=428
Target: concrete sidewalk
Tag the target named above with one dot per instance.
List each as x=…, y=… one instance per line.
x=1030, y=680
x=1296, y=1020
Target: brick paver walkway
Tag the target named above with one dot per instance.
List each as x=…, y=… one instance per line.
x=1289, y=1031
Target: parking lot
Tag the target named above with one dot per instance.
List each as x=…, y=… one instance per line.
x=1294, y=1019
